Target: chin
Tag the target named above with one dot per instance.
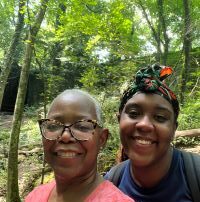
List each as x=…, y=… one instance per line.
x=141, y=161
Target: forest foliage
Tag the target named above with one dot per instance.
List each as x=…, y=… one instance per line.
x=98, y=45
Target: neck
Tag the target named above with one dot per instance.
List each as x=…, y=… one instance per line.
x=151, y=175
x=75, y=190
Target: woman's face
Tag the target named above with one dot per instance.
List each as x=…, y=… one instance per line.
x=147, y=127
x=69, y=158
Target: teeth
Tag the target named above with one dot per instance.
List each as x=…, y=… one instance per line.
x=145, y=142
x=66, y=154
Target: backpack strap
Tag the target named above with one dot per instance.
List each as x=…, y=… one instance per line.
x=192, y=169
x=115, y=173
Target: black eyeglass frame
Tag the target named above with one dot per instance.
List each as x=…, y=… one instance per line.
x=41, y=121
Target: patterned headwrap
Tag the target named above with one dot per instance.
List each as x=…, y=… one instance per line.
x=150, y=80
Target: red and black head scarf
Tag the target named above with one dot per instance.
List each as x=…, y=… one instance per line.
x=150, y=80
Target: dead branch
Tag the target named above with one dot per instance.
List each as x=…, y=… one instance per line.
x=188, y=133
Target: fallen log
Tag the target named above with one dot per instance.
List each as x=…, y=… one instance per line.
x=188, y=133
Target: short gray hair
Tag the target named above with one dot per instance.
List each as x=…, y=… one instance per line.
x=93, y=100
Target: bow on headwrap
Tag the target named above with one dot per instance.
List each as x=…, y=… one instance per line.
x=150, y=80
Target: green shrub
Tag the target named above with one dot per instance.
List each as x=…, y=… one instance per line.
x=31, y=112
x=30, y=133
x=107, y=156
x=189, y=117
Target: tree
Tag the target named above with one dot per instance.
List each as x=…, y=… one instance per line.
x=159, y=31
x=162, y=24
x=12, y=179
x=187, y=42
x=11, y=53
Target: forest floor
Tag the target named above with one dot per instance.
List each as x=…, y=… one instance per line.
x=30, y=163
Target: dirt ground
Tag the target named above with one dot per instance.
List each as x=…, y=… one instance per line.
x=5, y=120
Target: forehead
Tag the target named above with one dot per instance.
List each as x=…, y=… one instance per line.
x=73, y=104
x=150, y=101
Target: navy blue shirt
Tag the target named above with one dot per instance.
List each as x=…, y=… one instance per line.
x=172, y=188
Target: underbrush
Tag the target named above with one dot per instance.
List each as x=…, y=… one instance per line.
x=181, y=142
x=29, y=139
x=189, y=117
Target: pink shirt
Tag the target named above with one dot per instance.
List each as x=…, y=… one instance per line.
x=105, y=192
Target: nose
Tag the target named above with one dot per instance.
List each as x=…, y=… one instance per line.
x=145, y=124
x=66, y=136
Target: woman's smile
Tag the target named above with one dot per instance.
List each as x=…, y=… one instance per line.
x=66, y=154
x=143, y=141
x=143, y=145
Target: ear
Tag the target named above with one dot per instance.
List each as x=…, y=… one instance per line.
x=103, y=137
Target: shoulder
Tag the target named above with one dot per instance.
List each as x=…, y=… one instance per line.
x=192, y=170
x=189, y=157
x=190, y=162
x=106, y=191
x=40, y=193
x=115, y=172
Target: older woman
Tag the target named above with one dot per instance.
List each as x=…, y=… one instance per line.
x=147, y=118
x=72, y=137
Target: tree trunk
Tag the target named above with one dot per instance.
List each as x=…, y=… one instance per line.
x=187, y=42
x=155, y=34
x=164, y=31
x=12, y=179
x=57, y=48
x=11, y=53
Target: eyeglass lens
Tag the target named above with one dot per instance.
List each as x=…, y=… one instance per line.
x=80, y=130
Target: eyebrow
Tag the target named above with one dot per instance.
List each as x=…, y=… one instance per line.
x=157, y=107
x=129, y=105
x=163, y=108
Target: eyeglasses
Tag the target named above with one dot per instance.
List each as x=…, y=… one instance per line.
x=81, y=130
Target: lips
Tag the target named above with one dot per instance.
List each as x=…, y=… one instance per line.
x=144, y=141
x=63, y=153
x=66, y=154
